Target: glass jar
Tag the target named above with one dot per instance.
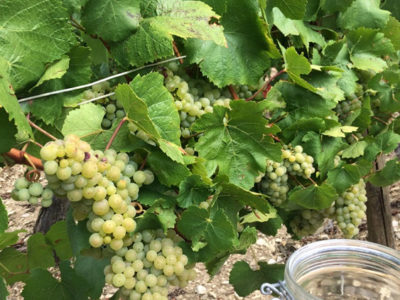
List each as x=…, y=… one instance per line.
x=342, y=269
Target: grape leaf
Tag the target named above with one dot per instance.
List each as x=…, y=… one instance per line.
x=3, y=217
x=314, y=196
x=7, y=132
x=199, y=226
x=111, y=19
x=9, y=238
x=192, y=191
x=384, y=143
x=153, y=39
x=392, y=32
x=33, y=34
x=393, y=7
x=242, y=138
x=334, y=6
x=366, y=47
x=293, y=9
x=79, y=71
x=245, y=280
x=40, y=253
x=168, y=171
x=245, y=59
x=343, y=177
x=160, y=103
x=3, y=289
x=55, y=70
x=355, y=150
x=91, y=269
x=297, y=65
x=138, y=112
x=388, y=175
x=219, y=6
x=339, y=131
x=297, y=28
x=14, y=265
x=58, y=237
x=84, y=121
x=8, y=100
x=364, y=13
x=77, y=233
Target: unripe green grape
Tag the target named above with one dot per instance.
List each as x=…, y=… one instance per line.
x=134, y=295
x=33, y=200
x=116, y=244
x=49, y=152
x=159, y=262
x=64, y=173
x=130, y=283
x=23, y=195
x=21, y=183
x=119, y=232
x=35, y=189
x=149, y=177
x=129, y=224
x=139, y=177
x=118, y=280
x=101, y=207
x=75, y=195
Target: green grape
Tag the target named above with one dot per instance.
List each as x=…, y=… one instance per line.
x=33, y=200
x=23, y=195
x=139, y=177
x=46, y=202
x=21, y=183
x=118, y=280
x=95, y=240
x=49, y=151
x=47, y=194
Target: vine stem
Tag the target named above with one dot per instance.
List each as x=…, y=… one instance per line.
x=42, y=130
x=312, y=180
x=177, y=53
x=19, y=157
x=233, y=92
x=266, y=84
x=115, y=133
x=143, y=164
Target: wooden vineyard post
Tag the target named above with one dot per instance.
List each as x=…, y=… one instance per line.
x=379, y=217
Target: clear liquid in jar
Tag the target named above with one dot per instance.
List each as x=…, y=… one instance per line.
x=350, y=284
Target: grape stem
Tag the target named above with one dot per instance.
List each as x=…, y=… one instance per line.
x=266, y=84
x=180, y=234
x=312, y=180
x=115, y=133
x=143, y=164
x=19, y=157
x=233, y=92
x=177, y=53
x=42, y=130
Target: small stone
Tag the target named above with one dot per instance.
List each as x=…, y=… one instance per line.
x=395, y=223
x=212, y=295
x=261, y=242
x=201, y=289
x=25, y=215
x=271, y=261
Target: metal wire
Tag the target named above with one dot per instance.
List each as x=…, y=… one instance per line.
x=84, y=86
x=97, y=98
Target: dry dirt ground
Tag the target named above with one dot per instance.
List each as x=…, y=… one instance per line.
x=270, y=249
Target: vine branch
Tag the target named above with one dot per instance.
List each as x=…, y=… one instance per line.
x=266, y=84
x=22, y=157
x=115, y=133
x=42, y=130
x=233, y=92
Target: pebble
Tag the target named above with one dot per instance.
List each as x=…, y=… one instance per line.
x=201, y=289
x=395, y=223
x=271, y=261
x=25, y=215
x=261, y=242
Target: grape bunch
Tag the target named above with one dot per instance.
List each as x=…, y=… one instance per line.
x=114, y=109
x=100, y=186
x=145, y=268
x=295, y=163
x=347, y=107
x=33, y=192
x=307, y=222
x=350, y=209
x=193, y=98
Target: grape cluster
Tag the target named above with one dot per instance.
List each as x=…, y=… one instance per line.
x=350, y=208
x=295, y=163
x=33, y=192
x=193, y=98
x=307, y=222
x=145, y=268
x=346, y=107
x=114, y=109
x=100, y=186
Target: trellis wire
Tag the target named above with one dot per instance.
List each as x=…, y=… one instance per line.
x=98, y=81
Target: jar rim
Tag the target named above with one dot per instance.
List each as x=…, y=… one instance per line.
x=320, y=247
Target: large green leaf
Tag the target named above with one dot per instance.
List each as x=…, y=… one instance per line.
x=55, y=70
x=343, y=177
x=84, y=121
x=192, y=191
x=245, y=280
x=7, y=132
x=392, y=32
x=8, y=100
x=240, y=134
x=388, y=175
x=245, y=59
x=364, y=13
x=14, y=265
x=160, y=103
x=153, y=39
x=214, y=230
x=366, y=47
x=58, y=237
x=138, y=112
x=314, y=196
x=111, y=19
x=293, y=9
x=40, y=253
x=32, y=34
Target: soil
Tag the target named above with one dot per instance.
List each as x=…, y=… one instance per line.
x=267, y=248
